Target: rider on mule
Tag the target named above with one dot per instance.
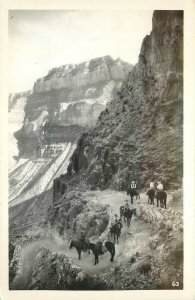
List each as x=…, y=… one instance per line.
x=151, y=192
x=82, y=239
x=161, y=195
x=151, y=185
x=159, y=187
x=116, y=218
x=133, y=185
x=99, y=245
x=132, y=191
x=126, y=205
x=118, y=221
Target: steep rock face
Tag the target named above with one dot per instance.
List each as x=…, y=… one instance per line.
x=31, y=178
x=83, y=75
x=69, y=97
x=16, y=104
x=14, y=97
x=75, y=212
x=139, y=135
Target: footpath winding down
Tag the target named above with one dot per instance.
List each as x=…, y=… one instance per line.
x=132, y=240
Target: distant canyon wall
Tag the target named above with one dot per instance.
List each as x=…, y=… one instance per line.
x=67, y=101
x=16, y=116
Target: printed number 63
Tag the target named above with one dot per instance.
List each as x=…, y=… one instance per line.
x=175, y=283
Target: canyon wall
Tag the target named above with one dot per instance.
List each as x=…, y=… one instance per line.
x=45, y=123
x=67, y=101
x=139, y=136
x=16, y=114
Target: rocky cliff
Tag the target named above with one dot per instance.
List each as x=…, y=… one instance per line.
x=139, y=135
x=68, y=99
x=46, y=123
x=16, y=104
x=14, y=97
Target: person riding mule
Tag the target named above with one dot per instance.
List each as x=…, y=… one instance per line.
x=159, y=188
x=151, y=193
x=126, y=206
x=132, y=191
x=83, y=240
x=97, y=249
x=115, y=228
x=161, y=195
x=118, y=221
x=151, y=185
x=133, y=185
x=128, y=215
x=123, y=208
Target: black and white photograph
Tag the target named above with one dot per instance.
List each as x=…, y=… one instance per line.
x=95, y=150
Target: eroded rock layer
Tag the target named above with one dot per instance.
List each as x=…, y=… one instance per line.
x=67, y=101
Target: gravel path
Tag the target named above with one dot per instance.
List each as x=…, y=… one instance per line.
x=132, y=240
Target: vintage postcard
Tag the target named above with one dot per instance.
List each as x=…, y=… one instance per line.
x=98, y=148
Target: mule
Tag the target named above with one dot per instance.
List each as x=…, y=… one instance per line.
x=151, y=193
x=133, y=193
x=128, y=215
x=97, y=250
x=80, y=245
x=162, y=197
x=116, y=231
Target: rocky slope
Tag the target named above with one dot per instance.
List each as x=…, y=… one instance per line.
x=139, y=135
x=31, y=178
x=68, y=99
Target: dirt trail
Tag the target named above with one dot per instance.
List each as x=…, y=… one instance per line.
x=132, y=240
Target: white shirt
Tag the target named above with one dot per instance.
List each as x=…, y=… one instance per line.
x=151, y=185
x=160, y=187
x=133, y=186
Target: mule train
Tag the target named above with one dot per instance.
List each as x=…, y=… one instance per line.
x=98, y=248
x=161, y=196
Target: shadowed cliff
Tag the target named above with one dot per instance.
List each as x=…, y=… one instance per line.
x=140, y=134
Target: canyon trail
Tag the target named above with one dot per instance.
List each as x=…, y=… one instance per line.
x=133, y=240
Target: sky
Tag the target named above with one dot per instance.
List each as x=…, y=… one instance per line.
x=41, y=40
